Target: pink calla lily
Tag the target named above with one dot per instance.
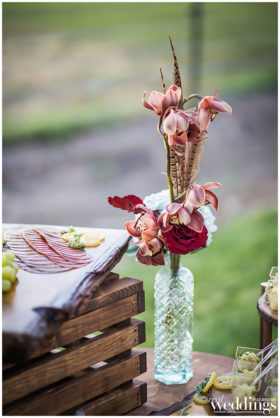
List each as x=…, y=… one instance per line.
x=208, y=107
x=159, y=102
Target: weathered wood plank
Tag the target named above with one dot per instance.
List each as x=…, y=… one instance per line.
x=118, y=402
x=78, y=390
x=97, y=320
x=112, y=291
x=112, y=276
x=51, y=368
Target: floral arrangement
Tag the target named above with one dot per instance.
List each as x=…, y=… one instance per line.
x=177, y=224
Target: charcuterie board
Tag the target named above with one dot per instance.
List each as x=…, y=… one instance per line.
x=39, y=303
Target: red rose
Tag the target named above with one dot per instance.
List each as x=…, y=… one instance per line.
x=182, y=240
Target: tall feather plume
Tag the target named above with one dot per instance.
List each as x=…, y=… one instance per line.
x=184, y=170
x=193, y=157
x=177, y=77
x=163, y=82
x=177, y=164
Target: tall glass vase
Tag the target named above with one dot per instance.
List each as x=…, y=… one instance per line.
x=173, y=322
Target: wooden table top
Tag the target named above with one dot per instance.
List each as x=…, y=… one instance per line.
x=161, y=396
x=39, y=303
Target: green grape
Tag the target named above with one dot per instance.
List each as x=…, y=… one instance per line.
x=10, y=255
x=6, y=285
x=4, y=260
x=8, y=273
x=13, y=265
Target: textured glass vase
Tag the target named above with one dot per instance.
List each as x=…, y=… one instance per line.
x=173, y=322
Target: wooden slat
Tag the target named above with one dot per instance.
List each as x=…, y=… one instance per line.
x=112, y=291
x=71, y=393
x=118, y=402
x=97, y=320
x=54, y=367
x=90, y=322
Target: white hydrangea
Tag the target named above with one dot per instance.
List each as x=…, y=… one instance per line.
x=209, y=222
x=158, y=201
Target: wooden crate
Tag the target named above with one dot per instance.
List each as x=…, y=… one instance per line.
x=92, y=372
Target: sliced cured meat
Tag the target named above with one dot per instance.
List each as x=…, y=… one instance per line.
x=56, y=242
x=39, y=244
x=41, y=251
x=30, y=260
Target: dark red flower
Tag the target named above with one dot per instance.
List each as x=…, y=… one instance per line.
x=182, y=240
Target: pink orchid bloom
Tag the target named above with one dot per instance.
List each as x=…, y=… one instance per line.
x=182, y=127
x=186, y=213
x=195, y=133
x=201, y=195
x=151, y=245
x=175, y=125
x=208, y=107
x=175, y=121
x=150, y=252
x=146, y=226
x=181, y=213
x=159, y=102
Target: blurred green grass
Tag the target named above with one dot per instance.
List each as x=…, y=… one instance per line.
x=227, y=284
x=73, y=66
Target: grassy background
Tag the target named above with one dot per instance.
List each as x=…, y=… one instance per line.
x=72, y=66
x=227, y=284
